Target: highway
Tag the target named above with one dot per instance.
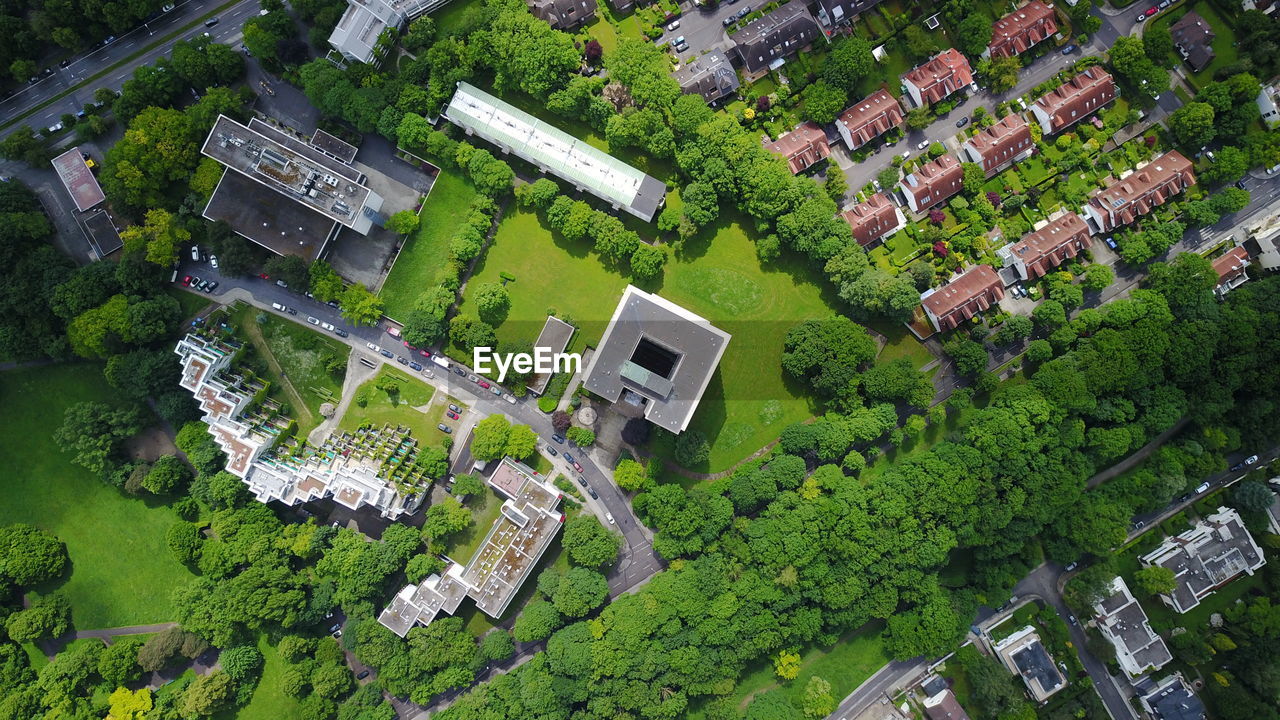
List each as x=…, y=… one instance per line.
x=75, y=76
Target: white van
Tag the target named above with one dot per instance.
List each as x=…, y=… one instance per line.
x=438, y=360
x=277, y=306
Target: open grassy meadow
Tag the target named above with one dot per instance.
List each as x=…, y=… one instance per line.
x=426, y=253
x=116, y=543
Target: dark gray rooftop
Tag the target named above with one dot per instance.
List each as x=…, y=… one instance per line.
x=555, y=337
x=711, y=75
x=1035, y=663
x=656, y=354
x=269, y=219
x=102, y=229
x=1176, y=702
x=330, y=145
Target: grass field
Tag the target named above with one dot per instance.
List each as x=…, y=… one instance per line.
x=295, y=359
x=116, y=543
x=748, y=401
x=191, y=302
x=400, y=409
x=484, y=510
x=845, y=665
x=268, y=701
x=425, y=255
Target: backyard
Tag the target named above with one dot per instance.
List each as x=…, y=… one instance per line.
x=116, y=543
x=425, y=254
x=1224, y=41
x=749, y=401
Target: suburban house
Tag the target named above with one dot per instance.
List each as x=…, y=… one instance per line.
x=1025, y=656
x=1021, y=29
x=1124, y=624
x=1074, y=100
x=978, y=289
x=563, y=14
x=939, y=702
x=1170, y=699
x=832, y=13
x=527, y=523
x=1231, y=267
x=711, y=75
x=247, y=429
x=1267, y=108
x=802, y=147
x=1125, y=200
x=874, y=220
x=1206, y=557
x=999, y=146
x=869, y=118
x=944, y=74
x=932, y=183
x=655, y=360
x=766, y=42
x=1193, y=38
x=362, y=24
x=1042, y=250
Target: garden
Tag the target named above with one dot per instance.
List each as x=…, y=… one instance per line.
x=394, y=398
x=1224, y=41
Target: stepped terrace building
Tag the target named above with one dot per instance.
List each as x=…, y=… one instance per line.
x=976, y=291
x=999, y=146
x=1042, y=250
x=528, y=522
x=1206, y=557
x=802, y=148
x=1124, y=624
x=932, y=183
x=874, y=220
x=943, y=75
x=869, y=118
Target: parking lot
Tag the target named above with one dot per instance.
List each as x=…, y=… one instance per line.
x=703, y=29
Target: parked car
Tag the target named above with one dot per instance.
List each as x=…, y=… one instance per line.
x=195, y=253
x=495, y=390
x=459, y=371
x=1069, y=49
x=213, y=261
x=451, y=414
x=415, y=365
x=552, y=451
x=424, y=353
x=56, y=127
x=186, y=281
x=681, y=47
x=363, y=674
x=678, y=41
x=568, y=458
x=558, y=438
x=282, y=284
x=1201, y=488
x=1072, y=566
x=592, y=492
x=195, y=282
x=962, y=122
x=609, y=516
x=402, y=360
x=386, y=353
x=1237, y=467
x=672, y=27
x=455, y=408
x=1071, y=619
x=328, y=326
x=313, y=321
x=212, y=286
x=444, y=428
x=729, y=20
x=582, y=481
x=484, y=384
x=294, y=311
x=1139, y=525
x=333, y=304
x=1251, y=460
x=1111, y=242
x=923, y=144
x=577, y=467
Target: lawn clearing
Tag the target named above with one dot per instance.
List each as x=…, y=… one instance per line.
x=268, y=701
x=426, y=253
x=748, y=401
x=190, y=302
x=414, y=407
x=116, y=543
x=1224, y=41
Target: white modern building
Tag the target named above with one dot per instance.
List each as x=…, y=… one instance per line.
x=1206, y=557
x=1123, y=622
x=357, y=32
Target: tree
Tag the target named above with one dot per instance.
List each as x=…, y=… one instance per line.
x=290, y=269
x=23, y=145
x=1155, y=580
x=129, y=704
x=405, y=221
x=359, y=306
x=919, y=43
x=1229, y=165
x=972, y=178
x=822, y=102
x=631, y=476
x=1129, y=60
x=974, y=33
x=468, y=332
x=849, y=61
x=582, y=437
x=817, y=701
x=496, y=645
x=538, y=620
x=325, y=284
x=888, y=177
x=1229, y=200
x=492, y=302
x=166, y=475
x=692, y=448
x=560, y=421
x=539, y=194
x=45, y=616
x=827, y=353
x=522, y=442
x=93, y=430
x=425, y=324
x=157, y=153
x=159, y=238
x=209, y=693
x=647, y=262
x=642, y=67
x=29, y=556
x=118, y=664
x=1014, y=329
x=580, y=591
x=919, y=118
x=1192, y=124
x=184, y=540
x=1001, y=72
x=786, y=665
x=489, y=439
x=589, y=543
x=1050, y=314
x=445, y=518
x=1251, y=496
x=242, y=662
x=1097, y=277
x=1157, y=43
x=836, y=185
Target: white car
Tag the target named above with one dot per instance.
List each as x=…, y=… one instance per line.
x=195, y=253
x=327, y=326
x=213, y=261
x=312, y=320
x=609, y=517
x=373, y=347
x=672, y=27
x=1251, y=460
x=923, y=144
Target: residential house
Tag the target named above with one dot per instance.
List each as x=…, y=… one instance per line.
x=1263, y=241
x=1267, y=107
x=1125, y=200
x=1021, y=30
x=563, y=14
x=833, y=13
x=711, y=75
x=1266, y=6
x=1193, y=37
x=1170, y=699
x=1074, y=100
x=1206, y=557
x=766, y=42
x=1231, y=268
x=932, y=183
x=804, y=146
x=1000, y=145
x=1042, y=250
x=1025, y=656
x=977, y=290
x=869, y=118
x=943, y=75
x=1124, y=624
x=939, y=702
x=874, y=220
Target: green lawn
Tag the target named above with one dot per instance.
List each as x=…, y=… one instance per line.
x=1224, y=41
x=427, y=252
x=848, y=663
x=399, y=409
x=116, y=543
x=268, y=701
x=748, y=401
x=484, y=511
x=901, y=344
x=190, y=302
x=303, y=355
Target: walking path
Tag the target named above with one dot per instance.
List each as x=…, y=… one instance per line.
x=106, y=634
x=357, y=373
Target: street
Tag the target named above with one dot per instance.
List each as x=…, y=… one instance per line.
x=73, y=77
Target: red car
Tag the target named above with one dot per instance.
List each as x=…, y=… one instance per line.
x=577, y=467
x=186, y=281
x=424, y=353
x=406, y=344
x=484, y=385
x=452, y=415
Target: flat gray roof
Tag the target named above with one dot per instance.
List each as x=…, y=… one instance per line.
x=555, y=337
x=291, y=168
x=78, y=179
x=646, y=333
x=269, y=219
x=330, y=145
x=103, y=231
x=558, y=152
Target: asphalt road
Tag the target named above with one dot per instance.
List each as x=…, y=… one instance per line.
x=228, y=31
x=881, y=687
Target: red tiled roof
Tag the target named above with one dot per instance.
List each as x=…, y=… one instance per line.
x=1124, y=201
x=945, y=73
x=1001, y=143
x=1052, y=244
x=971, y=293
x=1018, y=31
x=802, y=147
x=872, y=219
x=936, y=181
x=1231, y=264
x=1073, y=100
x=871, y=117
